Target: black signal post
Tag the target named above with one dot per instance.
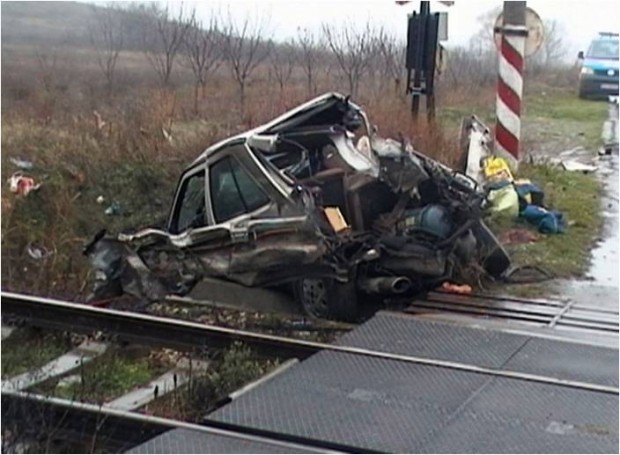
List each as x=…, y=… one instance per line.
x=422, y=38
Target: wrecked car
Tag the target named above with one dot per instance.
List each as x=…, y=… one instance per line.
x=314, y=203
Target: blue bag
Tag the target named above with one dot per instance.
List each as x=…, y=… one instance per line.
x=548, y=221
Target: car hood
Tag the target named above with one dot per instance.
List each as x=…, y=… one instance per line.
x=601, y=63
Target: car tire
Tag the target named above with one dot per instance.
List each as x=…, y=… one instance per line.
x=582, y=94
x=324, y=298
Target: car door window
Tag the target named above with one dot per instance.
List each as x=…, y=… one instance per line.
x=233, y=191
x=191, y=211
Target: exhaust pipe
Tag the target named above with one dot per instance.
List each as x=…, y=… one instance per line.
x=385, y=285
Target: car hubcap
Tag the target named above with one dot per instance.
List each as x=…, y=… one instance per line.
x=314, y=297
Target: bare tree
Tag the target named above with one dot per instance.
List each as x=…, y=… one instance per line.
x=282, y=60
x=352, y=48
x=392, y=53
x=554, y=43
x=484, y=39
x=307, y=44
x=107, y=36
x=475, y=65
x=203, y=52
x=47, y=62
x=385, y=62
x=245, y=50
x=553, y=48
x=163, y=41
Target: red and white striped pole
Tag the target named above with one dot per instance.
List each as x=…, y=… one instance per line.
x=510, y=82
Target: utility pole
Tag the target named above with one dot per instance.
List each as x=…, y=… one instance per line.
x=510, y=81
x=422, y=40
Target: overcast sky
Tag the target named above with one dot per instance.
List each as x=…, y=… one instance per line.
x=581, y=20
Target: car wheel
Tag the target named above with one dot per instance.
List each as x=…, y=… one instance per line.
x=324, y=298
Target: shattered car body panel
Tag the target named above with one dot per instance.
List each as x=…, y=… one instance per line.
x=250, y=210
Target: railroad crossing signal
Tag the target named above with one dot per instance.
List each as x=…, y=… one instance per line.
x=424, y=32
x=513, y=28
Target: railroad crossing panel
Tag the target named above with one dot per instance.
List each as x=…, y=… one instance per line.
x=187, y=441
x=399, y=406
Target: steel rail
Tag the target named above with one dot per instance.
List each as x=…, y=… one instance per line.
x=498, y=298
x=124, y=429
x=144, y=328
x=536, y=311
x=186, y=334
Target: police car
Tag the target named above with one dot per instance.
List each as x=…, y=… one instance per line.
x=599, y=68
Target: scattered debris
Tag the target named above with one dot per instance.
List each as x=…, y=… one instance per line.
x=70, y=380
x=100, y=199
x=503, y=199
x=113, y=209
x=22, y=185
x=608, y=150
x=167, y=136
x=456, y=288
x=99, y=123
x=496, y=170
x=37, y=252
x=533, y=210
x=576, y=166
x=609, y=135
x=22, y=164
x=518, y=198
x=548, y=221
x=478, y=140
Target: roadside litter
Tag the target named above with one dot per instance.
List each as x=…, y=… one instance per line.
x=37, y=252
x=507, y=197
x=576, y=166
x=113, y=209
x=520, y=198
x=456, y=288
x=22, y=185
x=22, y=164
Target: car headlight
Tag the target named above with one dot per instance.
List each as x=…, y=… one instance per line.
x=586, y=70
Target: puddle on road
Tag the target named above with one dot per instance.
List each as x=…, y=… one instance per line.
x=604, y=267
x=602, y=280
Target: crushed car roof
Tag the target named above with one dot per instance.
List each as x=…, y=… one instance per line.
x=273, y=124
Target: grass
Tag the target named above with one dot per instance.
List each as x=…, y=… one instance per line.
x=562, y=118
x=564, y=105
x=27, y=349
x=228, y=371
x=553, y=123
x=75, y=165
x=110, y=376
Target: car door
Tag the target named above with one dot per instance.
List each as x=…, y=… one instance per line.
x=265, y=230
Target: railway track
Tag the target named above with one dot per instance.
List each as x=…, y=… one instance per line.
x=186, y=335
x=538, y=312
x=119, y=430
